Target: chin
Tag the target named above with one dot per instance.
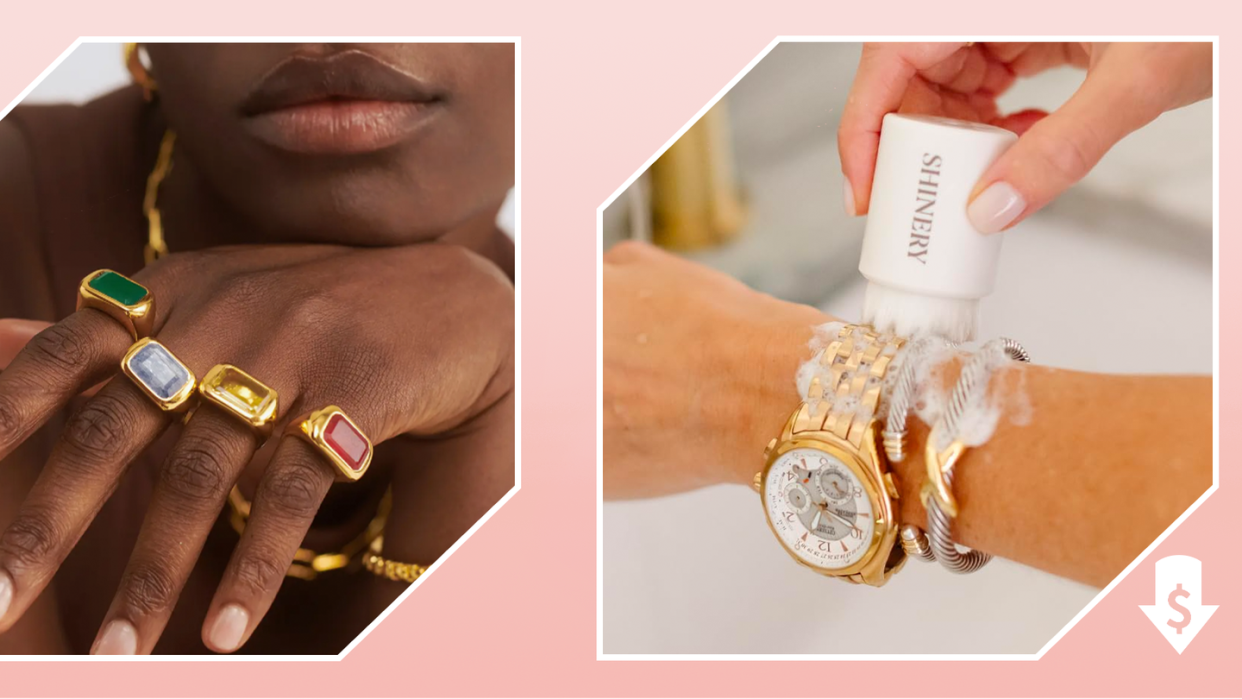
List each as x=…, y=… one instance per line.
x=366, y=212
x=357, y=228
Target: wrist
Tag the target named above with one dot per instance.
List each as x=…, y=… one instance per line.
x=779, y=345
x=977, y=467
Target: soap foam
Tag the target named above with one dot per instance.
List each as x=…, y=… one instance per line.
x=823, y=335
x=814, y=368
x=981, y=416
x=978, y=421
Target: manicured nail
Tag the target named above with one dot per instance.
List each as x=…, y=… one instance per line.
x=850, y=208
x=6, y=592
x=996, y=207
x=119, y=638
x=226, y=632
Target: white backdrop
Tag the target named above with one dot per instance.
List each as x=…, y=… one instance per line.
x=91, y=70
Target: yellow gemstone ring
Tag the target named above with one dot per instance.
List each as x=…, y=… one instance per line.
x=241, y=395
x=337, y=437
x=127, y=301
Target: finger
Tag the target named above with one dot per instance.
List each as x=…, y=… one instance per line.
x=884, y=71
x=98, y=442
x=1006, y=51
x=53, y=367
x=1020, y=122
x=14, y=335
x=1039, y=57
x=1060, y=149
x=285, y=503
x=192, y=487
x=998, y=78
x=984, y=106
x=964, y=71
x=923, y=97
x=17, y=333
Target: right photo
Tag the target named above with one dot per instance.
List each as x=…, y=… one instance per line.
x=907, y=348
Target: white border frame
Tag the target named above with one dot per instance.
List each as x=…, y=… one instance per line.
x=517, y=387
x=599, y=370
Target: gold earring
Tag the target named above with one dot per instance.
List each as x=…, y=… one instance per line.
x=138, y=71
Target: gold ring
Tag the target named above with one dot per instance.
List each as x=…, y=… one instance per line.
x=336, y=436
x=165, y=379
x=241, y=395
x=127, y=301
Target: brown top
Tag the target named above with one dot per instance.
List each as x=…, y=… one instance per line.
x=88, y=168
x=70, y=202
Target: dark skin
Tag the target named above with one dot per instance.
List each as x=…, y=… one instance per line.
x=447, y=180
x=415, y=342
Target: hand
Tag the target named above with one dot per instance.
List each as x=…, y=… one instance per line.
x=1128, y=85
x=408, y=341
x=698, y=373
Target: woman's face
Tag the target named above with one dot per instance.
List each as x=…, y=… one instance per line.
x=363, y=143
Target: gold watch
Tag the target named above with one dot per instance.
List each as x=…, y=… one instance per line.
x=826, y=488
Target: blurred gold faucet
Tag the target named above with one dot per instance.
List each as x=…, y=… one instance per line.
x=695, y=198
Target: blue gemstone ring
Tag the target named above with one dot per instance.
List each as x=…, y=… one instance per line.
x=166, y=381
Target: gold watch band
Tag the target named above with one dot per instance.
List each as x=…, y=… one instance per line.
x=846, y=402
x=855, y=363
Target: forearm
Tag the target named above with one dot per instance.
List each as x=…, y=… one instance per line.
x=1103, y=464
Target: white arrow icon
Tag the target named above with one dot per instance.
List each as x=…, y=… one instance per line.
x=1178, y=612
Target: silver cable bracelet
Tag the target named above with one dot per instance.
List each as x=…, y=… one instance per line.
x=944, y=447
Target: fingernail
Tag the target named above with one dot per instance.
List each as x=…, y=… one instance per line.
x=226, y=632
x=850, y=209
x=6, y=592
x=998, y=206
x=119, y=638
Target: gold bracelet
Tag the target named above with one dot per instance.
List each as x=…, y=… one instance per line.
x=307, y=565
x=385, y=568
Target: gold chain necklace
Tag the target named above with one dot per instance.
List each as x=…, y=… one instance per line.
x=156, y=247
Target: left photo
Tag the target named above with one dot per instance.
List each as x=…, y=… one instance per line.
x=257, y=310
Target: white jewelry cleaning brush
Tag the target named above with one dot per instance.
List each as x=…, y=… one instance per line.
x=926, y=265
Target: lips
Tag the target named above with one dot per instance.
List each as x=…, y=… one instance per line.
x=346, y=103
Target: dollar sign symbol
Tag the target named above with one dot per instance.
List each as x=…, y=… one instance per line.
x=1173, y=595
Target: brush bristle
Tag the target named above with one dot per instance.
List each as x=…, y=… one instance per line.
x=907, y=314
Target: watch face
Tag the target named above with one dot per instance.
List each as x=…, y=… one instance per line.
x=819, y=508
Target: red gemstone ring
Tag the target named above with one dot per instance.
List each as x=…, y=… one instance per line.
x=336, y=436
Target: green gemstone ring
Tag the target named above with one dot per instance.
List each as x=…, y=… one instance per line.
x=127, y=301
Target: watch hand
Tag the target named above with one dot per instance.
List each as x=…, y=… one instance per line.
x=839, y=518
x=815, y=522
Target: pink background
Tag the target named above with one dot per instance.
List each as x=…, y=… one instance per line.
x=604, y=86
